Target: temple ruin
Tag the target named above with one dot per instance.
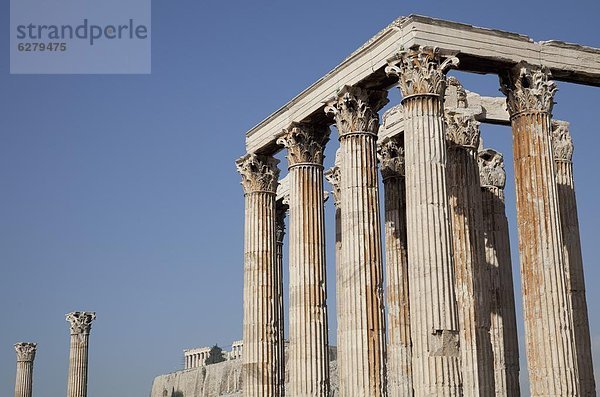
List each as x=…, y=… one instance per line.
x=450, y=328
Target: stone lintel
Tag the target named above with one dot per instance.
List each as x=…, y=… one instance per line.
x=479, y=50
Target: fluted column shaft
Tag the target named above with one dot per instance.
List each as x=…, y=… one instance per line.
x=551, y=352
x=399, y=358
x=261, y=361
x=309, y=346
x=281, y=209
x=432, y=298
x=24, y=379
x=562, y=148
x=81, y=323
x=362, y=336
x=472, y=274
x=503, y=327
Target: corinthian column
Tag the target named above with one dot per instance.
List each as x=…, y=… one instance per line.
x=551, y=351
x=503, y=327
x=362, y=336
x=562, y=147
x=399, y=360
x=472, y=274
x=25, y=356
x=433, y=311
x=309, y=348
x=281, y=210
x=261, y=360
x=80, y=325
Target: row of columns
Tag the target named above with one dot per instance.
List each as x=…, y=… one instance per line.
x=80, y=327
x=195, y=360
x=451, y=312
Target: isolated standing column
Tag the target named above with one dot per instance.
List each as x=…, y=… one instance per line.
x=80, y=325
x=399, y=359
x=503, y=318
x=562, y=148
x=551, y=352
x=25, y=356
x=433, y=310
x=362, y=337
x=309, y=346
x=261, y=327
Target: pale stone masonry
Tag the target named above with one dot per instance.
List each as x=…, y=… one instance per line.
x=308, y=364
x=562, y=150
x=460, y=316
x=549, y=339
x=503, y=325
x=362, y=336
x=433, y=312
x=80, y=327
x=471, y=273
x=399, y=358
x=261, y=327
x=25, y=356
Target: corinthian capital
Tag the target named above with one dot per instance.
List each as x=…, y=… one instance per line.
x=305, y=143
x=355, y=109
x=333, y=177
x=528, y=88
x=81, y=322
x=25, y=351
x=562, y=144
x=390, y=153
x=280, y=214
x=259, y=173
x=462, y=130
x=420, y=70
x=491, y=168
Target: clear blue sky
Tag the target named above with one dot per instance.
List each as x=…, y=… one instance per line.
x=119, y=193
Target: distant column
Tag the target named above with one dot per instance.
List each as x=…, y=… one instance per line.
x=399, y=358
x=562, y=148
x=25, y=356
x=261, y=364
x=281, y=210
x=433, y=311
x=80, y=325
x=309, y=343
x=503, y=324
x=355, y=112
x=471, y=273
x=551, y=351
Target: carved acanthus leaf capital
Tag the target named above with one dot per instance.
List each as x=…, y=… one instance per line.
x=259, y=173
x=305, y=142
x=420, y=70
x=455, y=95
x=391, y=157
x=280, y=214
x=528, y=88
x=81, y=322
x=333, y=177
x=25, y=351
x=491, y=168
x=355, y=109
x=562, y=143
x=462, y=130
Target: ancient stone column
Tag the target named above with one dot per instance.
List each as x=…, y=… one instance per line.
x=281, y=211
x=551, y=353
x=471, y=272
x=362, y=336
x=262, y=361
x=432, y=298
x=309, y=347
x=333, y=177
x=25, y=356
x=503, y=324
x=399, y=358
x=562, y=147
x=80, y=325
